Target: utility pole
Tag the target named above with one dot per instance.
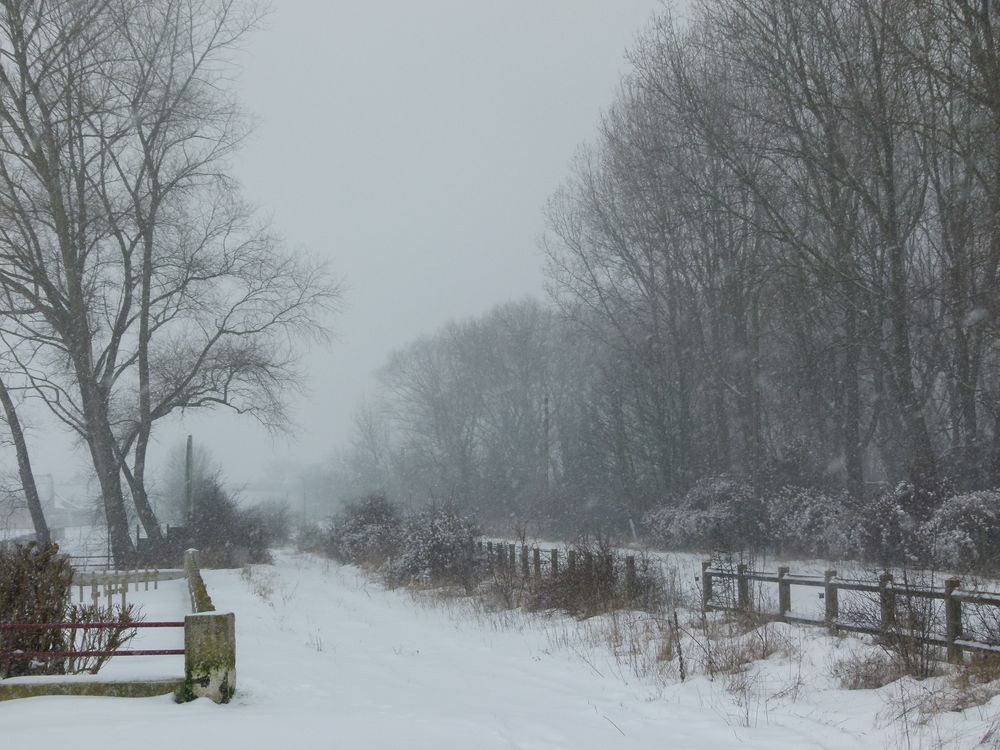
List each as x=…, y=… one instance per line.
x=545, y=442
x=188, y=486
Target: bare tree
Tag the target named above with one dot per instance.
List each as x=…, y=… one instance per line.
x=138, y=274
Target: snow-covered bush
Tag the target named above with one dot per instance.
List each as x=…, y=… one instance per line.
x=717, y=513
x=35, y=582
x=888, y=528
x=367, y=532
x=965, y=531
x=807, y=521
x=436, y=545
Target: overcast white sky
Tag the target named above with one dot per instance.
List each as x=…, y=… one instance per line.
x=413, y=144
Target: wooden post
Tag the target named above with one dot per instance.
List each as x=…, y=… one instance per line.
x=953, y=619
x=124, y=589
x=537, y=560
x=555, y=563
x=706, y=584
x=512, y=557
x=784, y=592
x=887, y=602
x=94, y=596
x=631, y=579
x=489, y=557
x=571, y=562
x=742, y=588
x=588, y=565
x=524, y=561
x=831, y=607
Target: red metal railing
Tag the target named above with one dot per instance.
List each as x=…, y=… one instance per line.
x=90, y=626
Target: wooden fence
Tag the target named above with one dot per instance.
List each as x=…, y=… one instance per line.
x=532, y=563
x=109, y=584
x=885, y=590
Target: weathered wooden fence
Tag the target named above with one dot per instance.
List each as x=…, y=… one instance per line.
x=114, y=583
x=531, y=563
x=885, y=591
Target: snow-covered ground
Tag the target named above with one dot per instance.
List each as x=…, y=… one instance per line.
x=327, y=659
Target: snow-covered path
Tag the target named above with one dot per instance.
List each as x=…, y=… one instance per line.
x=328, y=660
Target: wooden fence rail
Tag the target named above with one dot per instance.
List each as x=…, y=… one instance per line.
x=886, y=589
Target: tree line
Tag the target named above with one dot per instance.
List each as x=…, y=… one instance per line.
x=777, y=261
x=135, y=281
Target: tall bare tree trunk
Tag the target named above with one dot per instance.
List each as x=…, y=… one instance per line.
x=24, y=467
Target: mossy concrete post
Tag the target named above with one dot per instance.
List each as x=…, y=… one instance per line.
x=209, y=656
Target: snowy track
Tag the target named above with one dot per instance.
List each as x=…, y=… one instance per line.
x=328, y=660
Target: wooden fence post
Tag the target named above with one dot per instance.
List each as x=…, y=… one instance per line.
x=953, y=619
x=742, y=588
x=831, y=607
x=784, y=592
x=512, y=557
x=887, y=602
x=631, y=579
x=537, y=555
x=571, y=562
x=524, y=561
x=555, y=563
x=489, y=557
x=706, y=584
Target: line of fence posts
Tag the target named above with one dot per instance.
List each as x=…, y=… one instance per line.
x=502, y=556
x=887, y=592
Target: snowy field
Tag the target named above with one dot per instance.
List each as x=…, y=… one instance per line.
x=327, y=659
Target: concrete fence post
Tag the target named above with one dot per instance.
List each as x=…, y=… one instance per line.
x=524, y=561
x=209, y=657
x=537, y=560
x=555, y=562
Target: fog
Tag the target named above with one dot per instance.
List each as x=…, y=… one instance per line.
x=412, y=146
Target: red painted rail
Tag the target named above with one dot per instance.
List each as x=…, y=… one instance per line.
x=89, y=626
